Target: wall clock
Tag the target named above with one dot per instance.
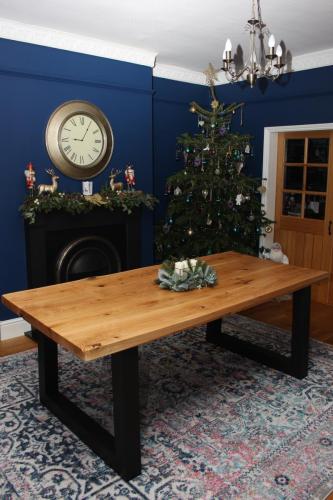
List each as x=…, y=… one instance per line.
x=79, y=139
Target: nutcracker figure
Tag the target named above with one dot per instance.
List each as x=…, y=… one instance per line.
x=130, y=177
x=30, y=177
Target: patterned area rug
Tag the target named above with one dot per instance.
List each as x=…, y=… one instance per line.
x=214, y=425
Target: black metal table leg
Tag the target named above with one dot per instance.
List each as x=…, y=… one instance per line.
x=125, y=381
x=297, y=363
x=121, y=451
x=300, y=332
x=47, y=367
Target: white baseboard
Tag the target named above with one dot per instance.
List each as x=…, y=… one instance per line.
x=11, y=328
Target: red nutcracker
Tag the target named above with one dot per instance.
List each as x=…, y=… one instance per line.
x=30, y=177
x=130, y=177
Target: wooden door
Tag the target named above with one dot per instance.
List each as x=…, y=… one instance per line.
x=304, y=203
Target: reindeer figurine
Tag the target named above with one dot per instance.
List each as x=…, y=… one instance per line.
x=115, y=186
x=49, y=188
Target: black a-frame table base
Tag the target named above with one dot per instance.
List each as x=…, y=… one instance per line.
x=297, y=363
x=121, y=451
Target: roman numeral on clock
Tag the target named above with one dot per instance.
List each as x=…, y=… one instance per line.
x=74, y=156
x=81, y=160
x=68, y=149
x=65, y=139
x=82, y=120
x=96, y=150
x=98, y=141
x=73, y=122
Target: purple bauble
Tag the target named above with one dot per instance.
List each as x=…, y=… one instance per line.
x=222, y=130
x=197, y=161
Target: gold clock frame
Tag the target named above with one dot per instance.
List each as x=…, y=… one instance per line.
x=52, y=139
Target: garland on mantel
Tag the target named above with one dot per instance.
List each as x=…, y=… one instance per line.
x=77, y=203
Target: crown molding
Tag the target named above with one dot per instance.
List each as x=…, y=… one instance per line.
x=180, y=74
x=313, y=60
x=14, y=30
x=38, y=35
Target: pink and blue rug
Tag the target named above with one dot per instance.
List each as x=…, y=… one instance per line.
x=214, y=425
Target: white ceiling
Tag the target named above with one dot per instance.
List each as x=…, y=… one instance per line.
x=183, y=33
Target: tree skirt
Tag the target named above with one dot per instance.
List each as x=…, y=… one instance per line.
x=214, y=425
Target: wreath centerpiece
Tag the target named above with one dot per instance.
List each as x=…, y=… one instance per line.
x=185, y=275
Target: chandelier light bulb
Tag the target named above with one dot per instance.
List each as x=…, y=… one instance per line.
x=224, y=55
x=228, y=45
x=279, y=51
x=271, y=41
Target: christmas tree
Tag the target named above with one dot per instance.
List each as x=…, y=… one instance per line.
x=213, y=205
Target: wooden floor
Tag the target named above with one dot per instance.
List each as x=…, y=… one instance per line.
x=275, y=313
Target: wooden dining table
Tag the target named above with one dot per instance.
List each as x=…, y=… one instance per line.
x=114, y=314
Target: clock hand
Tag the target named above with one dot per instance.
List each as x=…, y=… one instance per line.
x=86, y=132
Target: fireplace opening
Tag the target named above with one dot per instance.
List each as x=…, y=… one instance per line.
x=86, y=256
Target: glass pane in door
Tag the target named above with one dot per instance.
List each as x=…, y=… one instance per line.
x=295, y=150
x=315, y=207
x=293, y=178
x=318, y=150
x=292, y=204
x=316, y=179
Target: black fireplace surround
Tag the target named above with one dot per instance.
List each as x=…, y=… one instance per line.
x=63, y=247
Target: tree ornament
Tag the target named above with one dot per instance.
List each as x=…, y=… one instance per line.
x=207, y=148
x=170, y=220
x=268, y=229
x=222, y=131
x=239, y=167
x=197, y=161
x=247, y=149
x=262, y=189
x=239, y=199
x=201, y=123
x=230, y=203
x=205, y=193
x=190, y=231
x=177, y=191
x=220, y=224
x=166, y=228
x=209, y=220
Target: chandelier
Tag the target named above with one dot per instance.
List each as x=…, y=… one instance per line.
x=261, y=62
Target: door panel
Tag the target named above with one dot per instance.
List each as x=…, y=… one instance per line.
x=304, y=203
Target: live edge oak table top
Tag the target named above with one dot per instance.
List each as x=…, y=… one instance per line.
x=114, y=314
x=98, y=316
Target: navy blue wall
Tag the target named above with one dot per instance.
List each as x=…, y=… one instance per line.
x=303, y=97
x=34, y=80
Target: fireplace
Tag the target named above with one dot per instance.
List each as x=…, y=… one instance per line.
x=62, y=247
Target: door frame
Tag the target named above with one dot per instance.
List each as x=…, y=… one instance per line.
x=269, y=167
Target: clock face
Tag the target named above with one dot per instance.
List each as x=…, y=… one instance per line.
x=81, y=140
